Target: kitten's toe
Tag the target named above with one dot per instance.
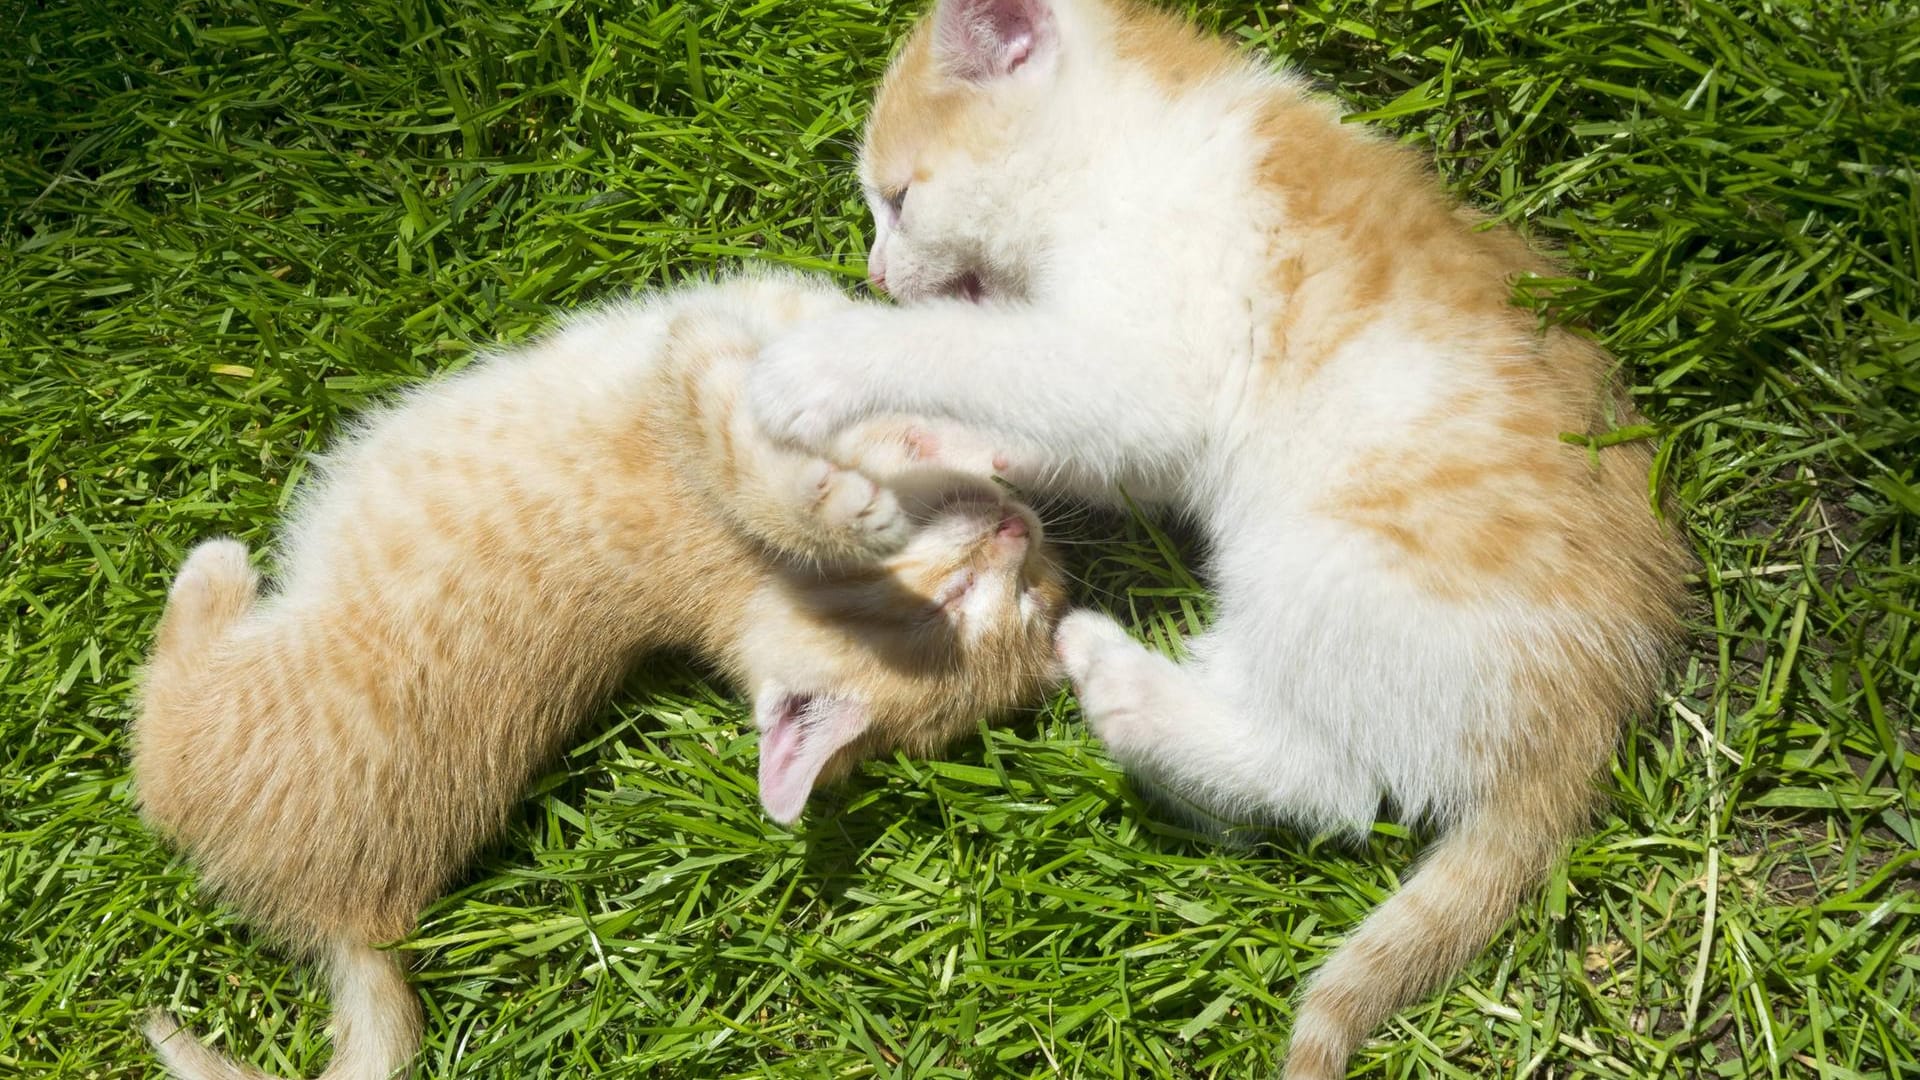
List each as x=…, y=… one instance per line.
x=864, y=514
x=891, y=447
x=960, y=448
x=883, y=526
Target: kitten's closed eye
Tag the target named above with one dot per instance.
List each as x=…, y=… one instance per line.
x=896, y=201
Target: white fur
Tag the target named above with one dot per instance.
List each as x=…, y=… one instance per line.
x=1121, y=229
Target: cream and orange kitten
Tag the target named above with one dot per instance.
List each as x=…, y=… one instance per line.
x=482, y=562
x=1168, y=269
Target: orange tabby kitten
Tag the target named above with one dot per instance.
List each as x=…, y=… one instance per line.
x=479, y=566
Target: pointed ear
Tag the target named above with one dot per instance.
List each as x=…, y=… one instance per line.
x=799, y=733
x=982, y=39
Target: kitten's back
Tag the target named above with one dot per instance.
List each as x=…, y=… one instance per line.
x=477, y=565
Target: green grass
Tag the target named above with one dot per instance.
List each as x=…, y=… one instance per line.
x=228, y=223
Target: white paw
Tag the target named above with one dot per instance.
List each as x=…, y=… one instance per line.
x=1112, y=675
x=1084, y=636
x=866, y=515
x=800, y=391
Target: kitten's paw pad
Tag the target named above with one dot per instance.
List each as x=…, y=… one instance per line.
x=891, y=446
x=954, y=446
x=852, y=506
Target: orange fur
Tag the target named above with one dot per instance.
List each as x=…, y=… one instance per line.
x=332, y=754
x=919, y=102
x=1175, y=55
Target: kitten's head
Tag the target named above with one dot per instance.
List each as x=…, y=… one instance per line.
x=906, y=655
x=941, y=167
x=992, y=117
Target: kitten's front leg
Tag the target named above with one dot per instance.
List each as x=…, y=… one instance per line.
x=818, y=379
x=1187, y=728
x=802, y=505
x=1100, y=399
x=1129, y=695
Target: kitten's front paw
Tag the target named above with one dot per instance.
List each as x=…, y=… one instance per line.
x=857, y=514
x=1111, y=675
x=799, y=391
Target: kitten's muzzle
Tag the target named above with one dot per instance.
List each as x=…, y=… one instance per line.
x=1011, y=527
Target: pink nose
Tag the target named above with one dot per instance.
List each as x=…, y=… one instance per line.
x=878, y=279
x=1013, y=525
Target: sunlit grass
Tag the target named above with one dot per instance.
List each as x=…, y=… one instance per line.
x=227, y=224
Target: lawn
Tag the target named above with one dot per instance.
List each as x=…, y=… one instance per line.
x=227, y=224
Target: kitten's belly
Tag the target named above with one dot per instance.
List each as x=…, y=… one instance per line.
x=1340, y=650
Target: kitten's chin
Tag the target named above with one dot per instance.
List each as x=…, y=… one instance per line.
x=1040, y=609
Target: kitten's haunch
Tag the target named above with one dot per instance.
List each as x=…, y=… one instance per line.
x=479, y=565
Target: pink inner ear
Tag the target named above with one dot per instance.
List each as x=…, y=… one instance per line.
x=980, y=39
x=799, y=734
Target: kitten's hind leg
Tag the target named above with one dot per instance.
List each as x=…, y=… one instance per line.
x=1186, y=728
x=214, y=588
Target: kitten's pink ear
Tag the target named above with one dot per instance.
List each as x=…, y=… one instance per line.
x=982, y=39
x=799, y=733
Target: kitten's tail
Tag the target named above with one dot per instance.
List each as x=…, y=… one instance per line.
x=215, y=587
x=1436, y=924
x=376, y=1024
